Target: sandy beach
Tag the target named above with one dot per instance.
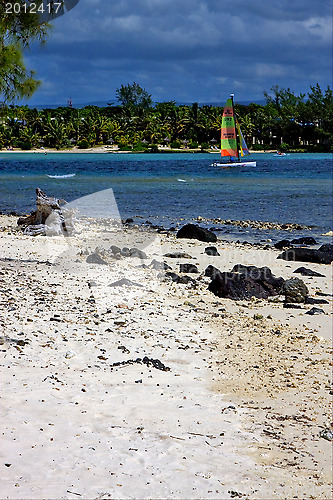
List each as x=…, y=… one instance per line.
x=118, y=383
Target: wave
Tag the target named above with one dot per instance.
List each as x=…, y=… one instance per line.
x=65, y=176
x=181, y=180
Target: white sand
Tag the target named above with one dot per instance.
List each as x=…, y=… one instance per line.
x=240, y=409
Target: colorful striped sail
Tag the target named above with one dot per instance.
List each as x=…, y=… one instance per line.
x=228, y=131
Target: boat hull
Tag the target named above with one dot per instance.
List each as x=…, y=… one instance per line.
x=235, y=164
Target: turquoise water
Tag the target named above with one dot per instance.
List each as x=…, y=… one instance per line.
x=166, y=188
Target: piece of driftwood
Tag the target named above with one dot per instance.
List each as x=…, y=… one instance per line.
x=49, y=218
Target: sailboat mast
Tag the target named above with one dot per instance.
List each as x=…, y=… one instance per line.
x=237, y=138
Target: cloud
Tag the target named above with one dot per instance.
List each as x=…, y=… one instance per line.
x=192, y=50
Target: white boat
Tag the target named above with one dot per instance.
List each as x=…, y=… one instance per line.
x=233, y=144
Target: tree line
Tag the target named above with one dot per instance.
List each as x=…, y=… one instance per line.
x=286, y=121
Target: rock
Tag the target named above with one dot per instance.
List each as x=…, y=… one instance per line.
x=193, y=231
x=179, y=279
x=115, y=250
x=188, y=268
x=178, y=255
x=314, y=311
x=125, y=252
x=95, y=258
x=244, y=282
x=308, y=255
x=306, y=240
x=326, y=434
x=135, y=252
x=282, y=244
x=129, y=221
x=295, y=290
x=311, y=300
x=327, y=247
x=124, y=281
x=70, y=354
x=287, y=305
x=212, y=271
x=155, y=264
x=308, y=272
x=211, y=251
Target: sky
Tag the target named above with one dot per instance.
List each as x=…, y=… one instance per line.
x=184, y=50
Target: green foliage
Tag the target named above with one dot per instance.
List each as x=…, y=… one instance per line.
x=17, y=31
x=83, y=144
x=296, y=123
x=133, y=96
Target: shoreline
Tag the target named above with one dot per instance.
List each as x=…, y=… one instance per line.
x=110, y=150
x=240, y=409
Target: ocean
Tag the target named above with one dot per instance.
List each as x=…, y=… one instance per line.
x=166, y=189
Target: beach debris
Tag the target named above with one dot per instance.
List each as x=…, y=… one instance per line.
x=211, y=251
x=70, y=354
x=188, y=268
x=308, y=272
x=324, y=254
x=95, y=258
x=193, y=231
x=244, y=282
x=295, y=290
x=315, y=310
x=126, y=282
x=178, y=255
x=326, y=434
x=49, y=218
x=155, y=363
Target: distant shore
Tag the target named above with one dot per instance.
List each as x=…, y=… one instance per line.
x=112, y=150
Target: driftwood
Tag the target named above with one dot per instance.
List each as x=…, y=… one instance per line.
x=49, y=218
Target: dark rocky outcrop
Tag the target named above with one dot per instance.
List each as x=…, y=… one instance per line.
x=305, y=240
x=95, y=258
x=295, y=290
x=178, y=255
x=211, y=251
x=324, y=255
x=188, y=268
x=193, y=231
x=179, y=279
x=244, y=282
x=315, y=310
x=282, y=244
x=308, y=272
x=212, y=271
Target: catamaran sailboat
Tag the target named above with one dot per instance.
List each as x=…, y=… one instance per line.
x=233, y=144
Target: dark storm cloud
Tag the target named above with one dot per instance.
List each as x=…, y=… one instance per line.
x=192, y=50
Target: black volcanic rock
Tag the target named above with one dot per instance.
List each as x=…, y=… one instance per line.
x=308, y=272
x=305, y=240
x=324, y=255
x=211, y=251
x=195, y=232
x=244, y=282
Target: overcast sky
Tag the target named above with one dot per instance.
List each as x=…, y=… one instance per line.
x=184, y=50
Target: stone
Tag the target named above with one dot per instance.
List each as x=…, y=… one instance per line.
x=319, y=256
x=311, y=300
x=95, y=258
x=188, y=268
x=155, y=264
x=282, y=244
x=179, y=279
x=306, y=240
x=140, y=254
x=193, y=231
x=314, y=311
x=212, y=271
x=244, y=282
x=115, y=250
x=125, y=281
x=211, y=251
x=308, y=272
x=295, y=290
x=178, y=255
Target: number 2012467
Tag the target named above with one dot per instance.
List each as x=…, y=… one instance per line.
x=33, y=8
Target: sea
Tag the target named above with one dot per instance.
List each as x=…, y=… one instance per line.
x=171, y=189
